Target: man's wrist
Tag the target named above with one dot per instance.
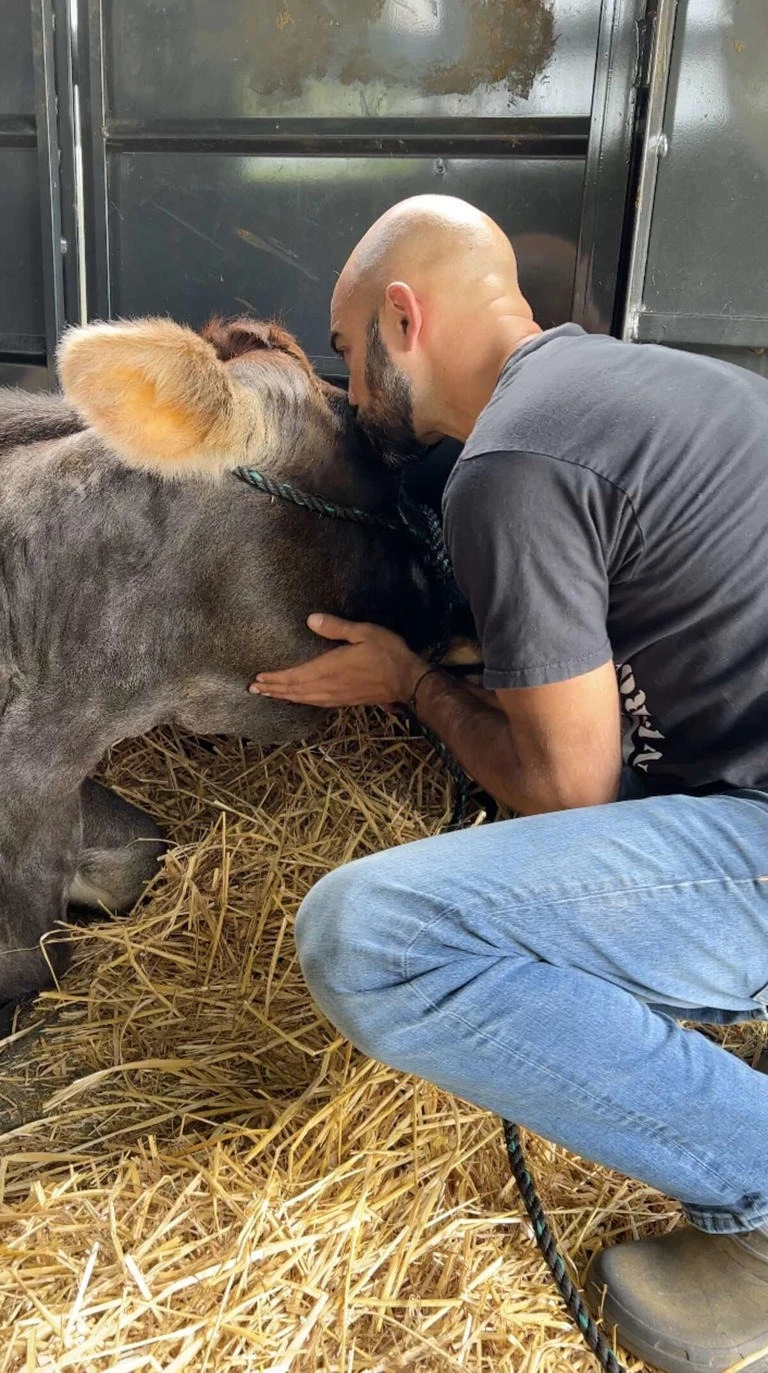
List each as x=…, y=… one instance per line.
x=429, y=669
x=413, y=670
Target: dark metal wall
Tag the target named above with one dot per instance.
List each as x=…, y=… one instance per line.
x=233, y=153
x=22, y=314
x=700, y=278
x=251, y=146
x=39, y=260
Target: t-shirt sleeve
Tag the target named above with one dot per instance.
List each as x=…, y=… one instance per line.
x=529, y=537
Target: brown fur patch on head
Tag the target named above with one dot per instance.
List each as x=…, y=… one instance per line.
x=236, y=338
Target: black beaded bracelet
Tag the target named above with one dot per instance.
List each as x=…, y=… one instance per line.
x=419, y=680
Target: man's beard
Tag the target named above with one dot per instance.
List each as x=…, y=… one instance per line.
x=388, y=416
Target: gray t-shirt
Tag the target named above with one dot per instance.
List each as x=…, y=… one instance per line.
x=611, y=502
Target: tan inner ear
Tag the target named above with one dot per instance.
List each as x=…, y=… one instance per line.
x=172, y=429
x=157, y=394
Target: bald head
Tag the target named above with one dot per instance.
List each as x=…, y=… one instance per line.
x=425, y=241
x=425, y=312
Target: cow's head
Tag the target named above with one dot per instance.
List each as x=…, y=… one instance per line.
x=168, y=400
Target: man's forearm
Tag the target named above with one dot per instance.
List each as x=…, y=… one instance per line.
x=521, y=770
x=538, y=749
x=477, y=733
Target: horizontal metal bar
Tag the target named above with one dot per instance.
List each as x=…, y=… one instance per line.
x=296, y=127
x=330, y=368
x=22, y=346
x=359, y=147
x=27, y=374
x=730, y=331
x=17, y=131
x=355, y=138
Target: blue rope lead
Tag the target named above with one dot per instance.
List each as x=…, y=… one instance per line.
x=419, y=522
x=283, y=491
x=574, y=1302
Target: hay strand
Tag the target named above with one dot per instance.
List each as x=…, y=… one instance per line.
x=198, y=1173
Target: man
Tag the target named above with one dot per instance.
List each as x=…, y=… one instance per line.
x=609, y=511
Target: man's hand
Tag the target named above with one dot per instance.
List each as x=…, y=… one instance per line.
x=374, y=668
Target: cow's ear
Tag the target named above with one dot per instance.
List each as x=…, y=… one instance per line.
x=157, y=394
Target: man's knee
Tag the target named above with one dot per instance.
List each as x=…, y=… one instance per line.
x=324, y=927
x=350, y=948
x=333, y=928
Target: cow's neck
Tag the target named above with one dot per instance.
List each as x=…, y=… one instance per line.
x=312, y=442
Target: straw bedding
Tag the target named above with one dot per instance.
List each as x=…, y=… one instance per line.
x=199, y=1173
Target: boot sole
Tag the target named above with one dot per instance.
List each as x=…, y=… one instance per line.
x=654, y=1349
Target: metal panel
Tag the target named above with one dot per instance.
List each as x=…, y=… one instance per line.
x=221, y=138
x=35, y=95
x=22, y=308
x=372, y=59
x=262, y=234
x=702, y=280
x=618, y=78
x=233, y=154
x=70, y=194
x=17, y=81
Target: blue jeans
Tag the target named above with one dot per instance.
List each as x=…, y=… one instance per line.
x=538, y=968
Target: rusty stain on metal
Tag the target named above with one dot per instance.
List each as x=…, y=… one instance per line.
x=508, y=43
x=503, y=41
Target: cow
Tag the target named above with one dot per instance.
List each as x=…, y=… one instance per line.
x=141, y=583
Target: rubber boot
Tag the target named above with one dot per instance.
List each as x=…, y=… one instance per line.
x=686, y=1302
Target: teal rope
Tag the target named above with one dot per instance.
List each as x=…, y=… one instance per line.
x=455, y=770
x=418, y=521
x=574, y=1302
x=329, y=509
x=409, y=520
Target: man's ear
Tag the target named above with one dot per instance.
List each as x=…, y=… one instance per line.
x=403, y=319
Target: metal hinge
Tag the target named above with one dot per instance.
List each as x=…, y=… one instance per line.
x=645, y=38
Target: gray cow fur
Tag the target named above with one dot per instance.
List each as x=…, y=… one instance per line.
x=129, y=598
